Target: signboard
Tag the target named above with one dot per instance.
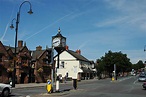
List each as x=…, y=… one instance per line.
x=75, y=72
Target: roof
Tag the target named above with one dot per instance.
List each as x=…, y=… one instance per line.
x=37, y=53
x=78, y=56
x=13, y=48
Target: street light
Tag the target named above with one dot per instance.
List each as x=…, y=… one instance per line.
x=16, y=29
x=12, y=26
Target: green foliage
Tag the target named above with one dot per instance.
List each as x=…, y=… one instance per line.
x=106, y=63
x=138, y=65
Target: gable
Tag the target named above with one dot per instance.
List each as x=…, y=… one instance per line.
x=78, y=56
x=66, y=56
x=24, y=49
x=10, y=52
x=37, y=54
x=3, y=49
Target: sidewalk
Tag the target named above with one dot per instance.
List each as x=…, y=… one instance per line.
x=28, y=85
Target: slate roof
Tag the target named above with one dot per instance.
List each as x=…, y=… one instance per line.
x=13, y=48
x=78, y=56
x=37, y=53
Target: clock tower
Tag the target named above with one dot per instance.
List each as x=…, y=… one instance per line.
x=59, y=42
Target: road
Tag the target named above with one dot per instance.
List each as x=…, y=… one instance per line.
x=124, y=87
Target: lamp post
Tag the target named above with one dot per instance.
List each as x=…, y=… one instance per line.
x=16, y=29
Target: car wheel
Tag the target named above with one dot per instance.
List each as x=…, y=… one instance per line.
x=5, y=93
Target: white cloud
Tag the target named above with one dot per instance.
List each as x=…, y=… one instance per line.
x=135, y=55
x=113, y=21
x=130, y=12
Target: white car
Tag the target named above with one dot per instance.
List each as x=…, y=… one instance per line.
x=5, y=90
x=142, y=78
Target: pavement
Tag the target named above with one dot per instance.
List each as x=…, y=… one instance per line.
x=29, y=85
x=34, y=85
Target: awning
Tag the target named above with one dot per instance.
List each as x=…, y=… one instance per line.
x=86, y=70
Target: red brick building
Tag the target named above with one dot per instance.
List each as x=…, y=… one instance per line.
x=40, y=60
x=6, y=63
x=23, y=59
x=31, y=66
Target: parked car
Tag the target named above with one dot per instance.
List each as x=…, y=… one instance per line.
x=5, y=90
x=144, y=85
x=142, y=78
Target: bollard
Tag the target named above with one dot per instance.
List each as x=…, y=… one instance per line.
x=49, y=86
x=57, y=84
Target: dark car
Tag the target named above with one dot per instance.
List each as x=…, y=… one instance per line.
x=144, y=85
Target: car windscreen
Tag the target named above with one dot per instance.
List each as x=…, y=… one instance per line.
x=142, y=76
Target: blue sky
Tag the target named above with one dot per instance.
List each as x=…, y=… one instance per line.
x=93, y=26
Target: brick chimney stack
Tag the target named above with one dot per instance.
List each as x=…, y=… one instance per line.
x=39, y=48
x=66, y=47
x=78, y=51
x=20, y=43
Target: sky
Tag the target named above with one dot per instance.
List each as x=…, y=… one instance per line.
x=93, y=26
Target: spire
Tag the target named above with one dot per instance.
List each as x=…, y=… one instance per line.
x=59, y=30
x=59, y=34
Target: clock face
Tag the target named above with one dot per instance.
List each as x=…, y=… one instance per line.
x=56, y=42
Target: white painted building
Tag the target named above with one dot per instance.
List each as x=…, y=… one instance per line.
x=74, y=65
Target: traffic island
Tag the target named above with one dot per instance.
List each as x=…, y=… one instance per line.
x=56, y=93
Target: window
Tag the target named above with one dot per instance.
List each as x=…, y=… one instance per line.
x=62, y=64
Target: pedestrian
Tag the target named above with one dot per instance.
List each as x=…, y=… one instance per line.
x=65, y=78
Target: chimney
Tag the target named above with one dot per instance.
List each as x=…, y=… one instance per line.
x=66, y=47
x=20, y=43
x=78, y=51
x=39, y=48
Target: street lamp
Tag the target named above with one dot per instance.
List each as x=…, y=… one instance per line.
x=12, y=26
x=16, y=29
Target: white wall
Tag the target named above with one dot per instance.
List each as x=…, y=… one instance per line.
x=70, y=67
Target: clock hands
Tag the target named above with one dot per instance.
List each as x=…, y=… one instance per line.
x=55, y=42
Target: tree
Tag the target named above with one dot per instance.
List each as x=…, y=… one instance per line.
x=107, y=62
x=138, y=65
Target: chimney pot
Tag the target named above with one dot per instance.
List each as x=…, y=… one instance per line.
x=78, y=51
x=66, y=47
x=39, y=48
x=20, y=43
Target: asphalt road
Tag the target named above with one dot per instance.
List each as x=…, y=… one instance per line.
x=124, y=87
